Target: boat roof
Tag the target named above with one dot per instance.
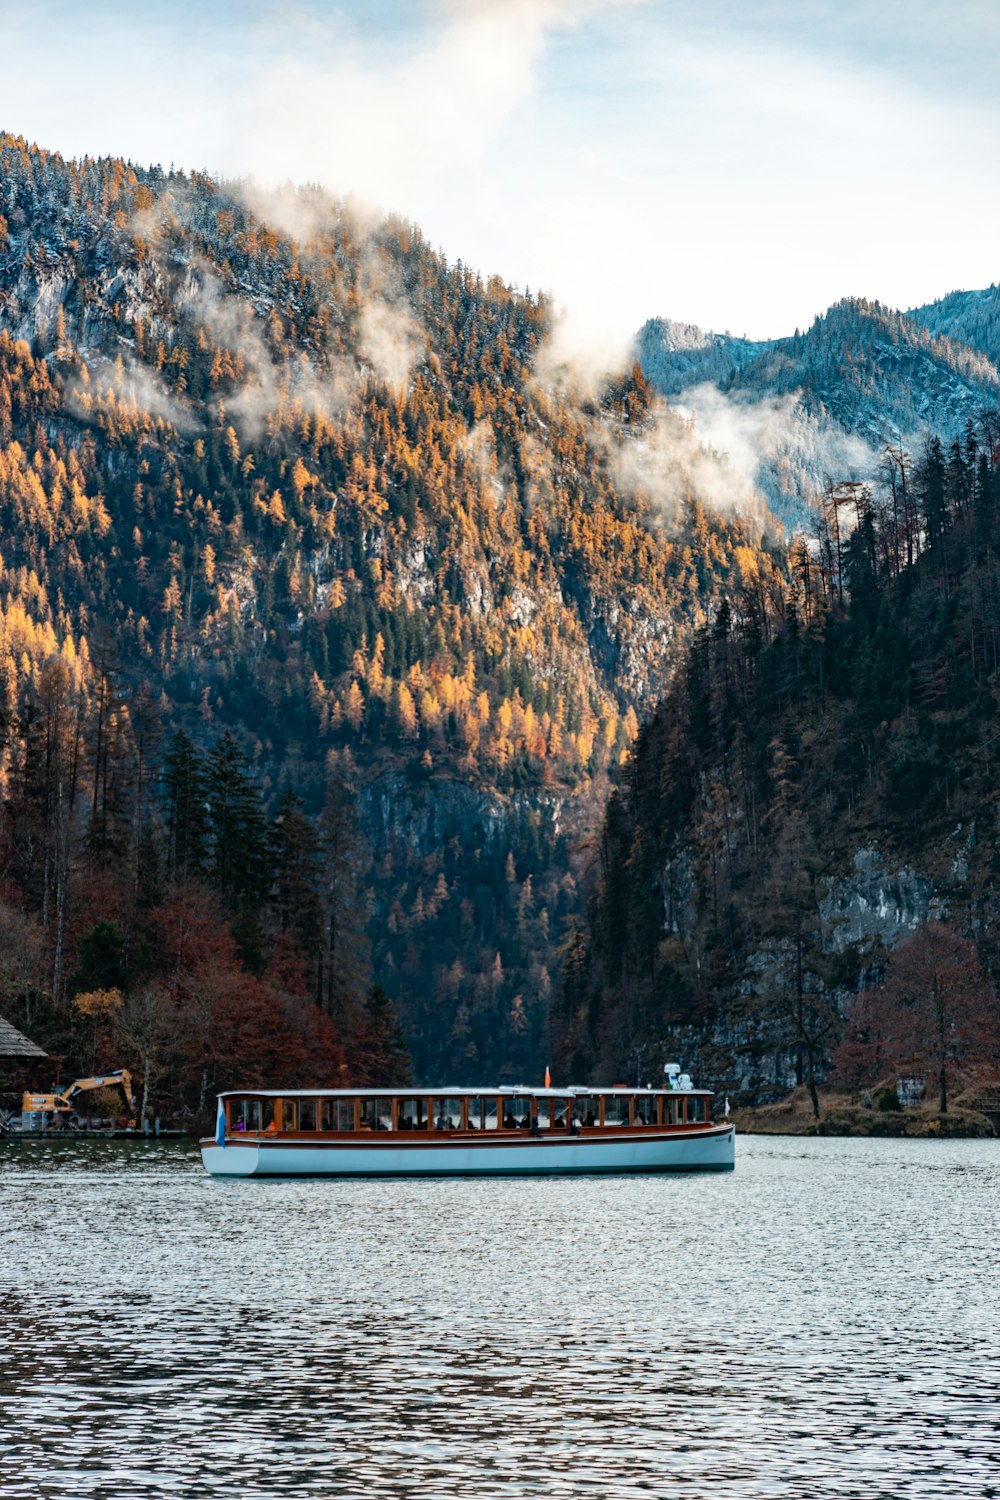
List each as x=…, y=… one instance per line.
x=414, y=1091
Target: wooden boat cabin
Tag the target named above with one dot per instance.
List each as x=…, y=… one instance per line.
x=431, y=1112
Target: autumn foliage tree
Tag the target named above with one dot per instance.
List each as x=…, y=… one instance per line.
x=937, y=1014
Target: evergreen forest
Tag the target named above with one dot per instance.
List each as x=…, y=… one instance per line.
x=805, y=838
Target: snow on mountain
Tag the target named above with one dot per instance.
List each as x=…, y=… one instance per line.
x=678, y=355
x=971, y=317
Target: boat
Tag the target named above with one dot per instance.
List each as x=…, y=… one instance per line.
x=453, y=1132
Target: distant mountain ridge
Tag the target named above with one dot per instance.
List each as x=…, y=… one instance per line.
x=876, y=372
x=971, y=318
x=861, y=370
x=678, y=355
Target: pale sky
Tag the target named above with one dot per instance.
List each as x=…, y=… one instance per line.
x=734, y=164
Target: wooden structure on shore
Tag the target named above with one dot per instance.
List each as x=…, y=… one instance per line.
x=15, y=1047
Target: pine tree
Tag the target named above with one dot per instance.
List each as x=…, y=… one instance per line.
x=239, y=851
x=185, y=786
x=383, y=1054
x=297, y=871
x=932, y=477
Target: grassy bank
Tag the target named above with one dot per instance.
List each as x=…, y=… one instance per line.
x=842, y=1114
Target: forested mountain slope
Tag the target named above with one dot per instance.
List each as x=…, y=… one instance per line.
x=313, y=489
x=876, y=373
x=807, y=796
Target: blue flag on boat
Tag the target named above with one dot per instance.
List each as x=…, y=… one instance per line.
x=220, y=1126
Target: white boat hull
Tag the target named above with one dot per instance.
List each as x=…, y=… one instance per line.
x=708, y=1150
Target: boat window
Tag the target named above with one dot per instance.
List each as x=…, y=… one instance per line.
x=672, y=1110
x=376, y=1114
x=337, y=1114
x=447, y=1114
x=245, y=1114
x=616, y=1109
x=411, y=1114
x=267, y=1114
x=517, y=1114
x=543, y=1113
x=645, y=1109
x=560, y=1113
x=696, y=1111
x=289, y=1114
x=586, y=1110
x=482, y=1113
x=307, y=1114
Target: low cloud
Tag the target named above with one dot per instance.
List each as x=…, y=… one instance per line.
x=743, y=456
x=668, y=461
x=133, y=385
x=391, y=341
x=776, y=445
x=752, y=432
x=580, y=354
x=267, y=384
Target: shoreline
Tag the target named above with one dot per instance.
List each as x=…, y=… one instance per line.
x=841, y=1116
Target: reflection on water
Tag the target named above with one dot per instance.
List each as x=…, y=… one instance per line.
x=821, y=1323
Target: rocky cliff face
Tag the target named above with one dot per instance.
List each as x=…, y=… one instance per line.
x=874, y=906
x=862, y=916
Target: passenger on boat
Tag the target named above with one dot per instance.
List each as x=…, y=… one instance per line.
x=509, y=1123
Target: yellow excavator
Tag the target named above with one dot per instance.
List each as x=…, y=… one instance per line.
x=68, y=1101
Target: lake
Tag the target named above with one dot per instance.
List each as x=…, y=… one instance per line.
x=823, y=1322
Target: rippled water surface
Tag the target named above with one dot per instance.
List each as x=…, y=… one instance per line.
x=824, y=1322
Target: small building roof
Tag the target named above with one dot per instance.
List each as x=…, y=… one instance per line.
x=13, y=1044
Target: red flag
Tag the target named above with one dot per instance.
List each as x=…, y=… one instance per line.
x=548, y=1079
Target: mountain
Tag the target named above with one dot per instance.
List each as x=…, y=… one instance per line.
x=824, y=403
x=971, y=318
x=875, y=373
x=675, y=356
x=274, y=472
x=817, y=787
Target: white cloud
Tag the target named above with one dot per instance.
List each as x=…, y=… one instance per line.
x=134, y=385
x=391, y=341
x=390, y=128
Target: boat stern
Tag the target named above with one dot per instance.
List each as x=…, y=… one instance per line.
x=228, y=1160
